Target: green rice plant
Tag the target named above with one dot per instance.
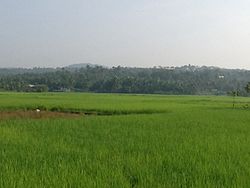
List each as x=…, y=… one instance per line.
x=192, y=141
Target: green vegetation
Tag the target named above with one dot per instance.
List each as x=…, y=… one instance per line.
x=144, y=141
x=183, y=80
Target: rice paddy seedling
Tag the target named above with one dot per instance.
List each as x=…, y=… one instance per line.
x=128, y=141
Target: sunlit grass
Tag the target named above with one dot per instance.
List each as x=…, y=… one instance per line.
x=196, y=142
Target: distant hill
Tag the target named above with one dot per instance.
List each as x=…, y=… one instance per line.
x=82, y=65
x=184, y=80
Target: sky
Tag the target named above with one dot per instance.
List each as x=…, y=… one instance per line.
x=134, y=33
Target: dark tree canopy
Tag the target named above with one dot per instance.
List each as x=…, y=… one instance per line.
x=178, y=80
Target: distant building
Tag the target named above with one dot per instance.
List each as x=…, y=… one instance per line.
x=36, y=88
x=31, y=86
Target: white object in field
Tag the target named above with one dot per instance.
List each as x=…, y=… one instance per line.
x=221, y=77
x=38, y=110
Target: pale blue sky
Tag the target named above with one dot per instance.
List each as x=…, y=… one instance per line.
x=144, y=33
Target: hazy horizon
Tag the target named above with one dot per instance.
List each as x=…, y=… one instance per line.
x=139, y=33
x=110, y=66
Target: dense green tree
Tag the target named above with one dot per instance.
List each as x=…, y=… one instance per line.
x=178, y=80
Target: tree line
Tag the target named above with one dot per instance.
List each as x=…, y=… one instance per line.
x=158, y=80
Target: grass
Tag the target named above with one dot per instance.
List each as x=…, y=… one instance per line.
x=195, y=141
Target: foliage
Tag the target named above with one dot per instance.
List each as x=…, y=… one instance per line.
x=179, y=80
x=247, y=88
